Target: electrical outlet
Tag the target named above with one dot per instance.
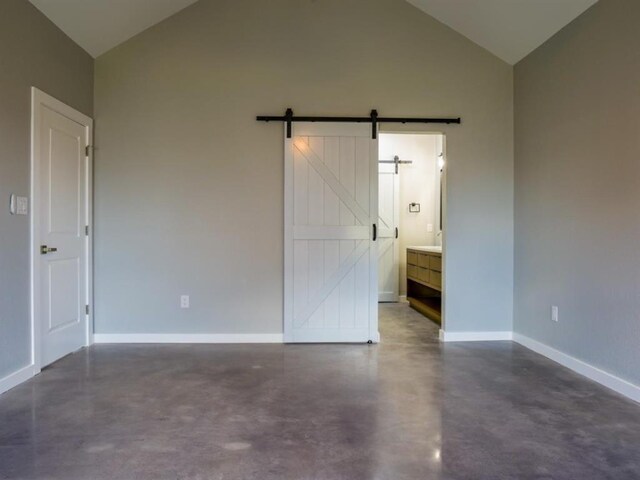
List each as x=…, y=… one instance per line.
x=554, y=313
x=184, y=301
x=429, y=227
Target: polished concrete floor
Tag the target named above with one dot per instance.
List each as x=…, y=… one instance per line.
x=409, y=408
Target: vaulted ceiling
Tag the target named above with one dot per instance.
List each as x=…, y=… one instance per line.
x=510, y=29
x=100, y=25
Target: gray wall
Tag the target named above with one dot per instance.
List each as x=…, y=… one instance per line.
x=577, y=210
x=189, y=187
x=33, y=52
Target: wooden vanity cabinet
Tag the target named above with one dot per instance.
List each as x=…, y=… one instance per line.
x=424, y=283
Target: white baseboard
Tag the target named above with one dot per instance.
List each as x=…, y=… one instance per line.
x=609, y=380
x=16, y=378
x=403, y=299
x=474, y=336
x=188, y=338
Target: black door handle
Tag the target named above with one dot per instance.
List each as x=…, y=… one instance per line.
x=375, y=232
x=396, y=232
x=44, y=249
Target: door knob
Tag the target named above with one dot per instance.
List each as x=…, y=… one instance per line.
x=44, y=249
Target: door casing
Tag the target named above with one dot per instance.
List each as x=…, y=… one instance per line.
x=39, y=99
x=441, y=205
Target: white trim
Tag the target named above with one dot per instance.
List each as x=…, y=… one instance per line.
x=443, y=233
x=188, y=338
x=374, y=157
x=475, y=336
x=606, y=379
x=16, y=378
x=288, y=238
x=89, y=238
x=402, y=299
x=39, y=99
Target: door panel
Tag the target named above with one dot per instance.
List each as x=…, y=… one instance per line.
x=63, y=296
x=62, y=194
x=388, y=248
x=65, y=170
x=330, y=257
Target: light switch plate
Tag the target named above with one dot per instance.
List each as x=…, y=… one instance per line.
x=18, y=205
x=23, y=206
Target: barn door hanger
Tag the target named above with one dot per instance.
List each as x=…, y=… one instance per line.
x=396, y=160
x=373, y=118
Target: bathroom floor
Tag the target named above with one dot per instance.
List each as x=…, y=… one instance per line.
x=408, y=408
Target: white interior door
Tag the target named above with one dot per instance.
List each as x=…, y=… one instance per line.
x=388, y=221
x=331, y=176
x=60, y=240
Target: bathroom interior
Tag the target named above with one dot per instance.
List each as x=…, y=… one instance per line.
x=411, y=174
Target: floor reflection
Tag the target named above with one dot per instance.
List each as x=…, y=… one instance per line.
x=408, y=408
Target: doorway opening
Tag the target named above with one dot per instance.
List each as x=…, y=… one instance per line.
x=351, y=243
x=411, y=180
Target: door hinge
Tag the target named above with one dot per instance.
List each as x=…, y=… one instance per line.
x=87, y=150
x=86, y=309
x=86, y=230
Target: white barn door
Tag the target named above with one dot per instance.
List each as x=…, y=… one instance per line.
x=331, y=206
x=388, y=246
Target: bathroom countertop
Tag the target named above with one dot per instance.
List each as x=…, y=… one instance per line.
x=433, y=249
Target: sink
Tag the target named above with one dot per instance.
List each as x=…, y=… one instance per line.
x=433, y=249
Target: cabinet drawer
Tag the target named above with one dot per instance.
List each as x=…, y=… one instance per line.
x=423, y=260
x=423, y=274
x=412, y=258
x=435, y=278
x=412, y=271
x=435, y=263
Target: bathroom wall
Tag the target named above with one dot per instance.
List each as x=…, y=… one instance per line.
x=419, y=184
